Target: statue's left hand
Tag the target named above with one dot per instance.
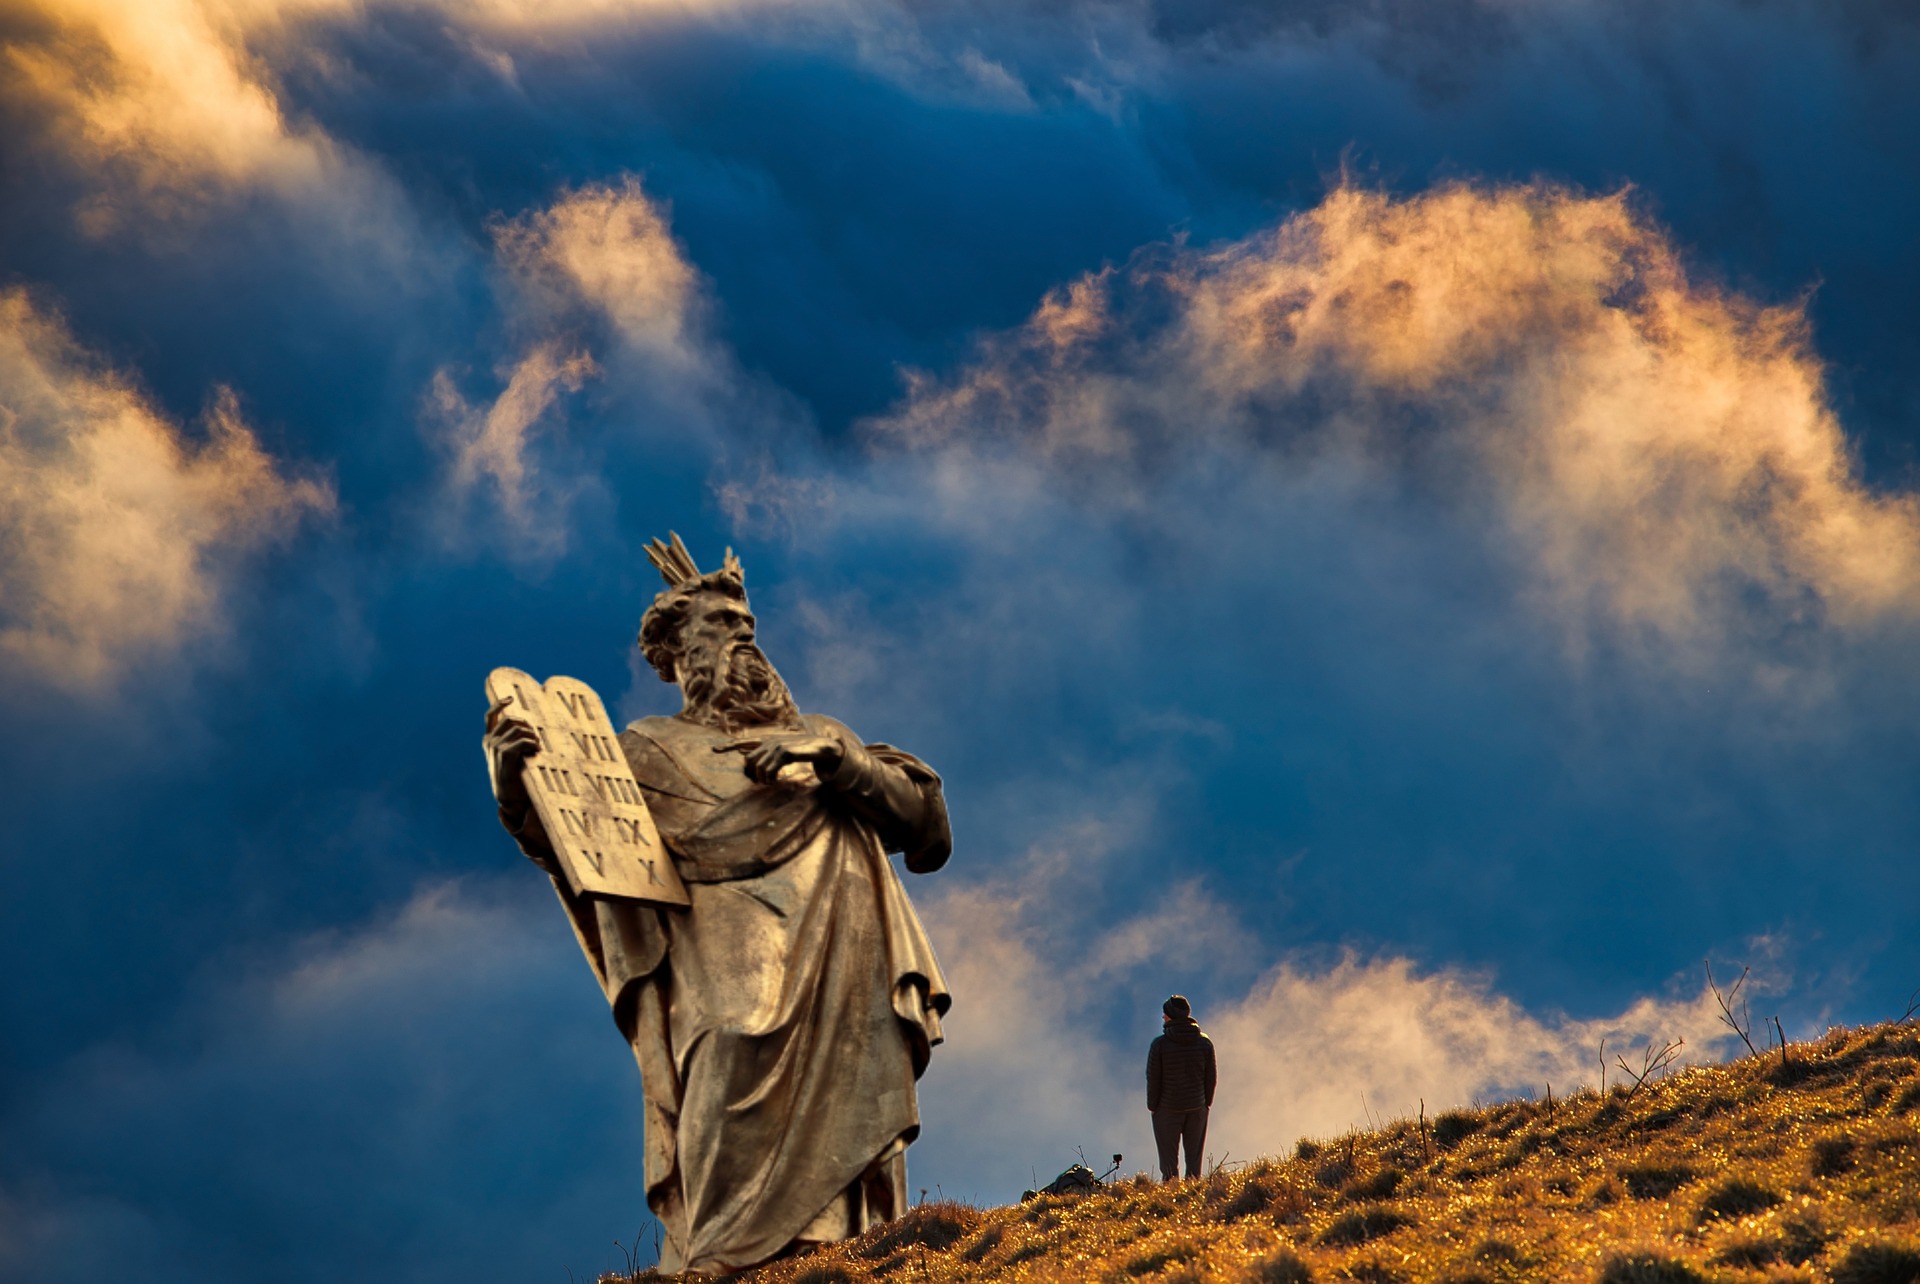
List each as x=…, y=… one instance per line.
x=767, y=756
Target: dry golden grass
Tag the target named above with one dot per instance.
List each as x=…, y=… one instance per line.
x=1754, y=1171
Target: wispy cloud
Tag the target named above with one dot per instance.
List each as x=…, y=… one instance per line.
x=1654, y=452
x=119, y=530
x=490, y=447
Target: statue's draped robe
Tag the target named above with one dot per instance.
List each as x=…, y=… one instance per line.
x=781, y=1020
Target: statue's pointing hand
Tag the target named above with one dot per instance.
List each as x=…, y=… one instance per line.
x=768, y=756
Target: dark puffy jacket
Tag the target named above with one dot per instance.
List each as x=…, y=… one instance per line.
x=1180, y=1072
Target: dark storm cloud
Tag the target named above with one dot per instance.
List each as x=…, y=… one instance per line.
x=1271, y=701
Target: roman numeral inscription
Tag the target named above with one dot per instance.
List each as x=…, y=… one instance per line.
x=592, y=809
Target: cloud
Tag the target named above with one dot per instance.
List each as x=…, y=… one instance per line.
x=1309, y=1052
x=117, y=533
x=490, y=448
x=1032, y=1074
x=599, y=263
x=1656, y=453
x=609, y=248
x=167, y=94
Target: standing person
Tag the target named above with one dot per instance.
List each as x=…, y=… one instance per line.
x=1180, y=1079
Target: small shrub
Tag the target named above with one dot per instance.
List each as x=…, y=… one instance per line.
x=824, y=1273
x=1363, y=1224
x=1282, y=1266
x=935, y=1226
x=1027, y=1252
x=1261, y=1194
x=1508, y=1119
x=1736, y=1197
x=1655, y=1120
x=1379, y=1186
x=1878, y=1264
x=1832, y=1155
x=1802, y=1239
x=1372, y=1272
x=1306, y=1148
x=1788, y=1073
x=1648, y=1268
x=1155, y=1259
x=1496, y=1250
x=1908, y=1098
x=1605, y=1191
x=1042, y=1211
x=983, y=1246
x=1334, y=1172
x=1875, y=1094
x=1451, y=1127
x=1655, y=1181
x=1748, y=1254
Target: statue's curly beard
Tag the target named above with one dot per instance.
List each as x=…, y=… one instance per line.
x=735, y=688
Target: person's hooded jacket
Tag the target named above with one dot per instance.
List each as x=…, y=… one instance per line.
x=1180, y=1071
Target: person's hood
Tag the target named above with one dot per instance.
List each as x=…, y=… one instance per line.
x=1183, y=1030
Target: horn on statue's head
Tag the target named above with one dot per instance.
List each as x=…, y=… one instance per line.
x=673, y=561
x=678, y=569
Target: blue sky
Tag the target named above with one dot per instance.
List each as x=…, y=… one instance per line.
x=1397, y=520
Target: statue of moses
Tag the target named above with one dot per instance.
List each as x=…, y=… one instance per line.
x=781, y=1019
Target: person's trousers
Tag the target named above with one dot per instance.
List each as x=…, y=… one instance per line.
x=1172, y=1129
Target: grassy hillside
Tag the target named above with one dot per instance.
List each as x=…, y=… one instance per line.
x=1806, y=1168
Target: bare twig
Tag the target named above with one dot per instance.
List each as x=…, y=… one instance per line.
x=1426, y=1148
x=631, y=1254
x=1913, y=1006
x=1744, y=1022
x=1651, y=1064
x=1603, y=1065
x=1781, y=1030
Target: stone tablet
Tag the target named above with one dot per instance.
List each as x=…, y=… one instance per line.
x=585, y=793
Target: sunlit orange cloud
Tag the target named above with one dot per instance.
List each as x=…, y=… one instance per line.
x=609, y=247
x=180, y=96
x=166, y=93
x=1655, y=446
x=116, y=532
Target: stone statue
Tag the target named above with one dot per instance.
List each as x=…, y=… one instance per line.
x=782, y=1017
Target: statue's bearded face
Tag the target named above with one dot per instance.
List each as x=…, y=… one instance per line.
x=726, y=679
